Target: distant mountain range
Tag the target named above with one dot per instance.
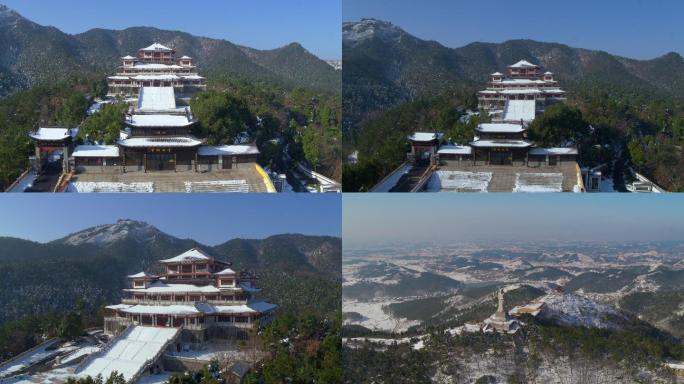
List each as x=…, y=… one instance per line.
x=35, y=54
x=385, y=66
x=90, y=266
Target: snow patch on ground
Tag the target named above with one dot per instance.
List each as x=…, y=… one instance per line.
x=27, y=360
x=217, y=186
x=538, y=182
x=80, y=352
x=375, y=318
x=459, y=181
x=90, y=186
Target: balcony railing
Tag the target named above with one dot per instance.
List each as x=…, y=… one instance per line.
x=177, y=302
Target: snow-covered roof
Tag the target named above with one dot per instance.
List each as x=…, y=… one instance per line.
x=522, y=64
x=548, y=73
x=193, y=254
x=257, y=307
x=192, y=77
x=523, y=81
x=500, y=127
x=161, y=287
x=156, y=98
x=553, y=151
x=155, y=77
x=117, y=77
x=500, y=143
x=54, y=134
x=226, y=271
x=227, y=150
x=516, y=110
x=162, y=309
x=497, y=74
x=96, y=151
x=169, y=142
x=455, y=150
x=142, y=274
x=425, y=136
x=156, y=66
x=156, y=47
x=128, y=57
x=186, y=57
x=118, y=306
x=160, y=120
x=520, y=91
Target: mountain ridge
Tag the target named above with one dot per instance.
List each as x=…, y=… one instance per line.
x=40, y=54
x=92, y=264
x=386, y=66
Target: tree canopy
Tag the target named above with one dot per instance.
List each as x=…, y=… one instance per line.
x=221, y=116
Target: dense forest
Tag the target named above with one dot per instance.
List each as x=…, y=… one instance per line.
x=294, y=122
x=536, y=354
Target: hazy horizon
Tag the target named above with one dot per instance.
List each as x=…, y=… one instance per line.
x=636, y=29
x=448, y=218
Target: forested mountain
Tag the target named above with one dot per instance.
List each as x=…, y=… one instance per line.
x=34, y=54
x=89, y=268
x=385, y=66
x=622, y=113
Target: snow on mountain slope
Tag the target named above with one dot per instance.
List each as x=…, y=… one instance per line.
x=579, y=311
x=110, y=233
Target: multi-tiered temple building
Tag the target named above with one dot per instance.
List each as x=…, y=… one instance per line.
x=169, y=320
x=156, y=66
x=522, y=81
x=158, y=134
x=195, y=292
x=512, y=101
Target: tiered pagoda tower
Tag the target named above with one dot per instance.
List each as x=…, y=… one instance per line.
x=156, y=66
x=195, y=292
x=522, y=81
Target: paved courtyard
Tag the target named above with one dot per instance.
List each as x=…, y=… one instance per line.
x=504, y=178
x=229, y=180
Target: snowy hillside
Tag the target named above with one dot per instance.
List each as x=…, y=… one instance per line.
x=575, y=310
x=110, y=233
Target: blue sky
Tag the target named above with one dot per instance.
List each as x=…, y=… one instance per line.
x=371, y=219
x=262, y=24
x=633, y=28
x=208, y=218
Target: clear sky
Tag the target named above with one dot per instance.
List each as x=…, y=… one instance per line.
x=208, y=218
x=261, y=24
x=378, y=219
x=633, y=28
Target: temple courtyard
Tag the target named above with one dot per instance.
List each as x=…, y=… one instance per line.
x=503, y=178
x=233, y=180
